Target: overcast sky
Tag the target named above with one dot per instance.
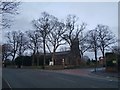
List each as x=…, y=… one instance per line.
x=92, y=13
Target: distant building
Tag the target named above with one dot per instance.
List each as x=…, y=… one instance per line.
x=60, y=57
x=71, y=57
x=75, y=57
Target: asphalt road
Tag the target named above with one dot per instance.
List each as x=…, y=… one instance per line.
x=35, y=78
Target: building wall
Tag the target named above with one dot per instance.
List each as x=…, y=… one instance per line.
x=74, y=55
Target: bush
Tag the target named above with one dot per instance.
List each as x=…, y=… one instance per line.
x=110, y=64
x=23, y=60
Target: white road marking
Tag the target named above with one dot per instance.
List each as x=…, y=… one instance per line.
x=107, y=77
x=66, y=79
x=110, y=80
x=8, y=84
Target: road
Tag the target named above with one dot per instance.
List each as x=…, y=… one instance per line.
x=36, y=78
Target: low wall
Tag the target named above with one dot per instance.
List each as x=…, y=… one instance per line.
x=111, y=69
x=55, y=67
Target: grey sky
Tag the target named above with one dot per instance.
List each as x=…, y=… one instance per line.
x=92, y=13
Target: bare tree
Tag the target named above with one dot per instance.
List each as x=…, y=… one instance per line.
x=83, y=44
x=34, y=43
x=22, y=43
x=62, y=49
x=72, y=34
x=14, y=42
x=116, y=49
x=18, y=42
x=73, y=29
x=44, y=25
x=6, y=51
x=105, y=38
x=55, y=38
x=7, y=9
x=5, y=23
x=92, y=41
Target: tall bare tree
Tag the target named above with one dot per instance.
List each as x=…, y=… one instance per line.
x=22, y=43
x=7, y=9
x=83, y=43
x=44, y=25
x=92, y=40
x=105, y=38
x=73, y=31
x=14, y=42
x=55, y=38
x=18, y=42
x=6, y=51
x=34, y=42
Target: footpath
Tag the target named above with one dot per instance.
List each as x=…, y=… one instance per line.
x=109, y=74
x=100, y=73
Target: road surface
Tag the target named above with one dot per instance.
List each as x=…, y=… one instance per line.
x=36, y=78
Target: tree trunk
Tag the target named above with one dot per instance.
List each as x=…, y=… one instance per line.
x=33, y=57
x=14, y=56
x=103, y=54
x=44, y=54
x=53, y=57
x=37, y=58
x=81, y=53
x=20, y=53
x=95, y=60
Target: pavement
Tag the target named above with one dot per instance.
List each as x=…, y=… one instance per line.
x=101, y=73
x=107, y=74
